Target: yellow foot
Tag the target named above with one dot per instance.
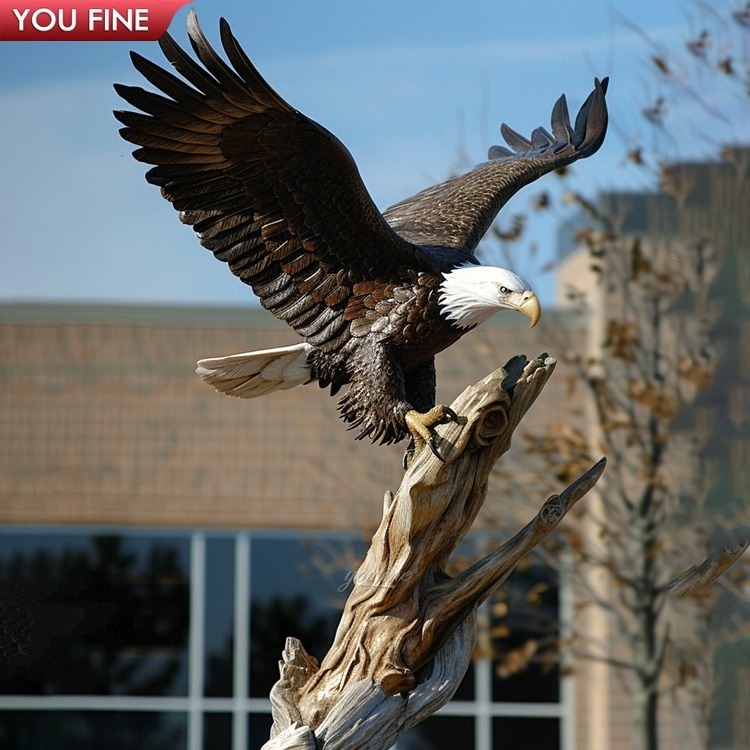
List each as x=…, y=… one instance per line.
x=421, y=426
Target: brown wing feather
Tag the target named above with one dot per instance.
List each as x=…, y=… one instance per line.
x=270, y=192
x=469, y=203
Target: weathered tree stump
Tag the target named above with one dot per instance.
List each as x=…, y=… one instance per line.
x=406, y=635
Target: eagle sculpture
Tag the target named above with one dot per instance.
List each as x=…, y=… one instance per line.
x=280, y=200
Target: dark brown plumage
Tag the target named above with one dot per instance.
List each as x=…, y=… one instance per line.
x=279, y=199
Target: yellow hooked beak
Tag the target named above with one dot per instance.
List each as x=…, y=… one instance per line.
x=528, y=304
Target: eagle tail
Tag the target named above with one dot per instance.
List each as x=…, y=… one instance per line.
x=252, y=374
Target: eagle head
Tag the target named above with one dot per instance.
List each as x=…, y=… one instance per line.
x=470, y=294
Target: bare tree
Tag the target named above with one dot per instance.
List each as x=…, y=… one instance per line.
x=644, y=379
x=661, y=279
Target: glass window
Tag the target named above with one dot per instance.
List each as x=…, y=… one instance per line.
x=258, y=730
x=104, y=619
x=513, y=731
x=104, y=614
x=524, y=628
x=465, y=690
x=440, y=733
x=298, y=588
x=93, y=730
x=217, y=731
x=219, y=618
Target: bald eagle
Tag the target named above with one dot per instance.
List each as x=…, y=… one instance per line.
x=280, y=200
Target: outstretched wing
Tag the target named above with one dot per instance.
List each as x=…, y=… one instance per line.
x=267, y=190
x=457, y=213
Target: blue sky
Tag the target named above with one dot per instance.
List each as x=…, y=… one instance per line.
x=408, y=87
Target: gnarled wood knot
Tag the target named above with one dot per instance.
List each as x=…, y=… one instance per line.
x=492, y=422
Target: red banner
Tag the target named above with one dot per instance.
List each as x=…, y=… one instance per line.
x=86, y=20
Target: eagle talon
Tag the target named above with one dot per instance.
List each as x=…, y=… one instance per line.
x=422, y=430
x=408, y=454
x=435, y=450
x=449, y=416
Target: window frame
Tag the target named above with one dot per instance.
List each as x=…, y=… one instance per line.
x=240, y=705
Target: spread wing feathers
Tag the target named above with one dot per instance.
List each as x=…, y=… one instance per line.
x=270, y=192
x=457, y=213
x=252, y=374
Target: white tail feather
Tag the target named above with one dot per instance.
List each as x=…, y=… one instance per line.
x=252, y=374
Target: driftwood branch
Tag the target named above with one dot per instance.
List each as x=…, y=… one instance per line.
x=406, y=635
x=696, y=579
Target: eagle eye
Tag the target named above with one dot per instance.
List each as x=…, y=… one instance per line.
x=504, y=290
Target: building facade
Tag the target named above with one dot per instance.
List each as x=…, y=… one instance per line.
x=159, y=541
x=664, y=280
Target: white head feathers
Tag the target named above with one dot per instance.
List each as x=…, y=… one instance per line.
x=472, y=293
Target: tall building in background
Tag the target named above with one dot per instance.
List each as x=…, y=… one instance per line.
x=700, y=219
x=704, y=203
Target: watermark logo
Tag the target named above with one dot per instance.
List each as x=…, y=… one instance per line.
x=86, y=20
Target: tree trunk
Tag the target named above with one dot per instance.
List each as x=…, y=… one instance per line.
x=645, y=719
x=406, y=635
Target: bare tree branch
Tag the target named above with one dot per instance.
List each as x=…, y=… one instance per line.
x=696, y=579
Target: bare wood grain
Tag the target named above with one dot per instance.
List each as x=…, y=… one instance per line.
x=405, y=636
